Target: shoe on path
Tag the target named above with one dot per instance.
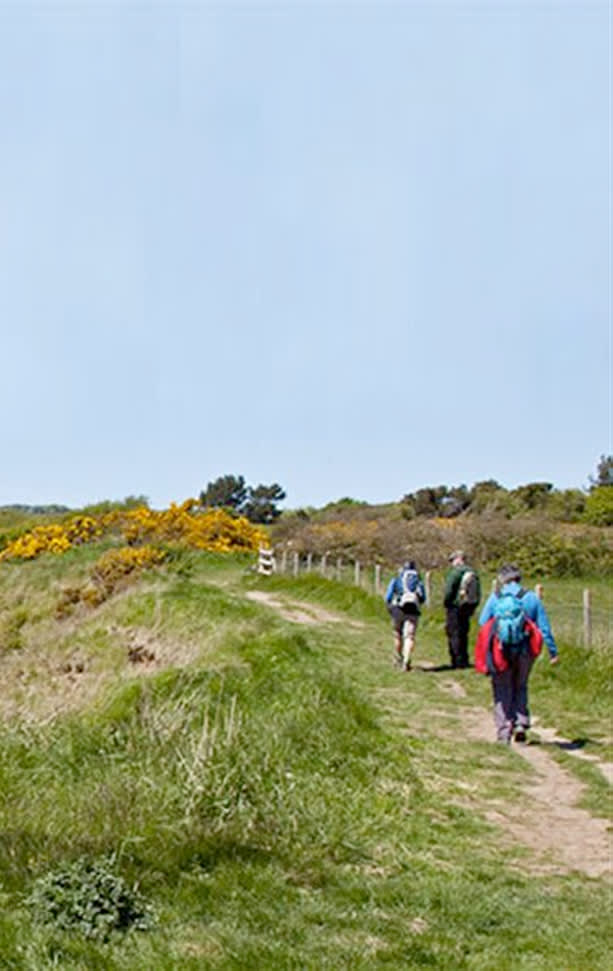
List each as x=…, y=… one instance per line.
x=520, y=736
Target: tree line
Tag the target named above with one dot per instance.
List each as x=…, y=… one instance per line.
x=594, y=505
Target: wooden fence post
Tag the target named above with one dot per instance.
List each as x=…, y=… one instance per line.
x=377, y=578
x=296, y=564
x=587, y=618
x=356, y=573
x=339, y=567
x=309, y=562
x=266, y=561
x=323, y=565
x=283, y=561
x=539, y=590
x=428, y=586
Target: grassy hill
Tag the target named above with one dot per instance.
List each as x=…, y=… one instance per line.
x=230, y=768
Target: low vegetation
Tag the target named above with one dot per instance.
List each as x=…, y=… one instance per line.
x=191, y=781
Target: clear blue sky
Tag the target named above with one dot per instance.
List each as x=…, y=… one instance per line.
x=355, y=248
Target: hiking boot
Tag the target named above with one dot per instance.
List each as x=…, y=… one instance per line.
x=520, y=736
x=406, y=666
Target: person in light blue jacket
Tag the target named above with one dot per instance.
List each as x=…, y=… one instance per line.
x=404, y=597
x=510, y=688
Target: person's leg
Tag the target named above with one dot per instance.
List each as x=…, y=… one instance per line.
x=521, y=716
x=464, y=614
x=397, y=623
x=501, y=690
x=453, y=635
x=410, y=627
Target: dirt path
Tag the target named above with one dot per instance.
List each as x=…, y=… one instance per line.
x=545, y=818
x=298, y=612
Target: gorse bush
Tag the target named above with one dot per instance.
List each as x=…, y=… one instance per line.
x=214, y=530
x=184, y=525
x=114, y=569
x=89, y=897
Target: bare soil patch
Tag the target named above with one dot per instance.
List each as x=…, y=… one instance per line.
x=298, y=612
x=546, y=817
x=40, y=683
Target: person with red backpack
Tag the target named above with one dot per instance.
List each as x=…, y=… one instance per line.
x=513, y=627
x=404, y=597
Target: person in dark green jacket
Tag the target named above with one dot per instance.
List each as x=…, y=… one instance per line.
x=462, y=595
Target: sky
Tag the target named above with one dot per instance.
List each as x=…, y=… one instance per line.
x=352, y=248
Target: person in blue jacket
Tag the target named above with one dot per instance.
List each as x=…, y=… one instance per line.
x=510, y=688
x=404, y=597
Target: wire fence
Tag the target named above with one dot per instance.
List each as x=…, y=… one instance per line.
x=588, y=620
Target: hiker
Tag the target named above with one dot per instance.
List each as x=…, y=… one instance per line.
x=404, y=597
x=513, y=626
x=461, y=597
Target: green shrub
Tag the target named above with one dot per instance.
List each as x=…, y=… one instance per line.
x=10, y=629
x=89, y=897
x=599, y=506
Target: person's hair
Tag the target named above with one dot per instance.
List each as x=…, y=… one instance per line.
x=508, y=572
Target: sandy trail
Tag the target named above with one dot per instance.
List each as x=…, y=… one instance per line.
x=299, y=612
x=545, y=818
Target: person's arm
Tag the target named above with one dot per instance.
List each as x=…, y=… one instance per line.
x=389, y=593
x=452, y=582
x=488, y=610
x=542, y=622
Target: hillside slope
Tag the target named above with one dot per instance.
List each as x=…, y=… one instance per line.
x=244, y=750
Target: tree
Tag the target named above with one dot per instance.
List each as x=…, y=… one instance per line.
x=604, y=473
x=455, y=502
x=261, y=503
x=534, y=495
x=258, y=504
x=228, y=491
x=425, y=502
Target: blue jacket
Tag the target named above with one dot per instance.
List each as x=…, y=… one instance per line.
x=534, y=611
x=395, y=589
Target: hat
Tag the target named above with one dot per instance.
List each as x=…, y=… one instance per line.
x=508, y=572
x=457, y=555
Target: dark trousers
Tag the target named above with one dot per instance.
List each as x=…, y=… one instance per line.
x=457, y=627
x=510, y=690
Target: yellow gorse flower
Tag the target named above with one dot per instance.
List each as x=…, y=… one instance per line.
x=183, y=525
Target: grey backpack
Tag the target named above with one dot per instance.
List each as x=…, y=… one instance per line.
x=468, y=591
x=410, y=590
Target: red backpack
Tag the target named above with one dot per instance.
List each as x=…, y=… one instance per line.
x=490, y=656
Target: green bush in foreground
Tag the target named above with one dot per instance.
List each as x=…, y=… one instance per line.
x=89, y=897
